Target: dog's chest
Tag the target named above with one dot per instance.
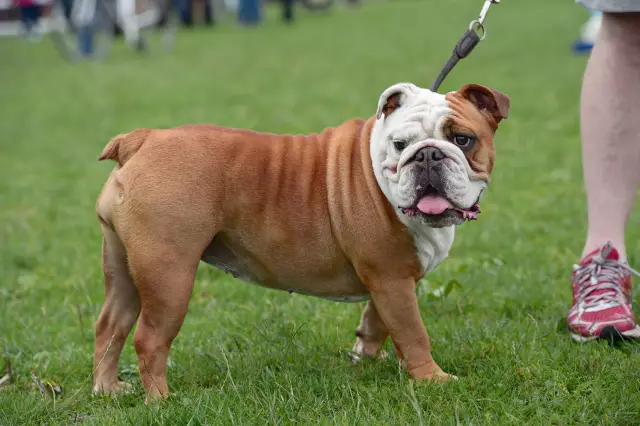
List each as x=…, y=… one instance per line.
x=432, y=245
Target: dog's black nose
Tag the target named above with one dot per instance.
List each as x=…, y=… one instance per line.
x=429, y=153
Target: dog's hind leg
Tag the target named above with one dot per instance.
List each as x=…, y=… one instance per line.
x=118, y=314
x=165, y=280
x=371, y=334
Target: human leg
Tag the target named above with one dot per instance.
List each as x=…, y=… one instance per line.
x=611, y=155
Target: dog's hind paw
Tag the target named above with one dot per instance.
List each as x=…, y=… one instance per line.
x=362, y=349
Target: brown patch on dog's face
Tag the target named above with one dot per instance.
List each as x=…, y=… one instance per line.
x=477, y=110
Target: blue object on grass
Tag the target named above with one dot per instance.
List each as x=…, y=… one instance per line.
x=580, y=46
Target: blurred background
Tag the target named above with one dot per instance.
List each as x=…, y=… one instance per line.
x=75, y=73
x=74, y=80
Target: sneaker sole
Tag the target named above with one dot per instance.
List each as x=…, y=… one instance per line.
x=611, y=334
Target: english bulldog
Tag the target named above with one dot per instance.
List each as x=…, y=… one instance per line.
x=361, y=211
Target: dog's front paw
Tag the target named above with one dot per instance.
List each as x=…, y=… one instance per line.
x=431, y=372
x=116, y=388
x=157, y=399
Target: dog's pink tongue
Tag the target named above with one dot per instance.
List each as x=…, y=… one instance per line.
x=433, y=204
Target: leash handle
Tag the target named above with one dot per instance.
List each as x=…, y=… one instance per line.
x=474, y=35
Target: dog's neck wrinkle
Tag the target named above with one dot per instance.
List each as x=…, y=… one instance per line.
x=363, y=223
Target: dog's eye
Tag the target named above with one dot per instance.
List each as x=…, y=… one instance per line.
x=400, y=145
x=464, y=141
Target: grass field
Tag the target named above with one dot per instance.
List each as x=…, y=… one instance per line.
x=248, y=355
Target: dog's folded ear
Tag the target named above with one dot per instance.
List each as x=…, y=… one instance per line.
x=393, y=98
x=484, y=98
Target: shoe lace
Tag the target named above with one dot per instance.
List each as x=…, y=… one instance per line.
x=602, y=275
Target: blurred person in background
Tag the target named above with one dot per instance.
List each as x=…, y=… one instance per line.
x=30, y=12
x=185, y=9
x=287, y=10
x=610, y=133
x=126, y=12
x=83, y=15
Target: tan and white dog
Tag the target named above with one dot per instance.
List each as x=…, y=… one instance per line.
x=360, y=211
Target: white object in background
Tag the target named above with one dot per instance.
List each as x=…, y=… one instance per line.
x=82, y=12
x=126, y=13
x=231, y=5
x=590, y=29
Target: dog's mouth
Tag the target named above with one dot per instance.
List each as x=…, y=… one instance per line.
x=432, y=203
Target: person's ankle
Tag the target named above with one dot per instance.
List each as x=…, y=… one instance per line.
x=593, y=244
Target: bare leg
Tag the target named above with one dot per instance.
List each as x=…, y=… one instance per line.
x=611, y=129
x=371, y=334
x=118, y=314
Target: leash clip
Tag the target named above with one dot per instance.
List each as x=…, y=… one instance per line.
x=485, y=9
x=466, y=44
x=477, y=25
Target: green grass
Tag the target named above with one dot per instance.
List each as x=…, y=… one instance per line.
x=248, y=355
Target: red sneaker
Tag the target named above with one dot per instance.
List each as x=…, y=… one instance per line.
x=602, y=298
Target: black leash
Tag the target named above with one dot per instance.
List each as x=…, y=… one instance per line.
x=466, y=44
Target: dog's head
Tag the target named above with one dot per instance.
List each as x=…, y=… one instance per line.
x=433, y=154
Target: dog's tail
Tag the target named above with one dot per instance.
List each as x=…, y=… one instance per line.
x=121, y=148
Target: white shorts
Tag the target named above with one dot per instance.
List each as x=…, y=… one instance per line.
x=612, y=5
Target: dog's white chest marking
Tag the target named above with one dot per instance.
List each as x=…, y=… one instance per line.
x=432, y=245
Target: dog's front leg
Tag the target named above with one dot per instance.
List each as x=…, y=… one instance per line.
x=396, y=303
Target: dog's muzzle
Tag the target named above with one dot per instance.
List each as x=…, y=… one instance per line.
x=431, y=194
x=430, y=161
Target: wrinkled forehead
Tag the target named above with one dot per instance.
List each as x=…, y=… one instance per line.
x=425, y=114
x=422, y=111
